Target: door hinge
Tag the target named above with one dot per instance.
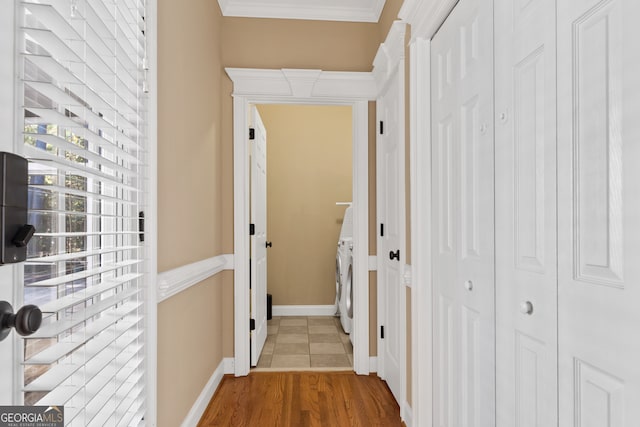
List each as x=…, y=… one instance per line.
x=252, y=324
x=381, y=127
x=252, y=133
x=381, y=332
x=381, y=230
x=141, y=226
x=252, y=229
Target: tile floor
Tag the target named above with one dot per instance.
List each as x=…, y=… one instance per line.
x=306, y=342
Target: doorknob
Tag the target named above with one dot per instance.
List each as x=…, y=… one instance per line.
x=395, y=255
x=268, y=244
x=26, y=321
x=526, y=307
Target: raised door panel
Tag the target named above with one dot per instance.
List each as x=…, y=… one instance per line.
x=258, y=302
x=445, y=226
x=391, y=150
x=525, y=135
x=462, y=217
x=598, y=211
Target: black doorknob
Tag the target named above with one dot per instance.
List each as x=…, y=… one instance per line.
x=395, y=255
x=268, y=244
x=26, y=321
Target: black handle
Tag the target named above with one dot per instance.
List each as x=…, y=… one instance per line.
x=268, y=244
x=26, y=321
x=395, y=255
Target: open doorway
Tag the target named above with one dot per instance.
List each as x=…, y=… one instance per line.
x=256, y=86
x=309, y=184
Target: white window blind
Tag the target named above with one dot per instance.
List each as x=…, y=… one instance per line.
x=82, y=67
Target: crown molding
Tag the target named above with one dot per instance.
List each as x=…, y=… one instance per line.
x=389, y=54
x=294, y=10
x=425, y=16
x=294, y=84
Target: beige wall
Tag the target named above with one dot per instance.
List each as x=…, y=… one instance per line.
x=188, y=352
x=309, y=168
x=189, y=199
x=195, y=175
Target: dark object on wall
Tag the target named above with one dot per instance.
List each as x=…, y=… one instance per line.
x=15, y=233
x=26, y=321
x=269, y=307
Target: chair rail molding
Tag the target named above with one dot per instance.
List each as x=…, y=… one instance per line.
x=177, y=280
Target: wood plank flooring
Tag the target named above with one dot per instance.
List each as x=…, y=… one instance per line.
x=297, y=399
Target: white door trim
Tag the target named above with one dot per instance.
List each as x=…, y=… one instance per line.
x=151, y=220
x=425, y=17
x=287, y=86
x=420, y=179
x=389, y=64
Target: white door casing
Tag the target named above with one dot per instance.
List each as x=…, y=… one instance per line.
x=526, y=267
x=463, y=217
x=390, y=176
x=259, y=86
x=599, y=212
x=258, y=191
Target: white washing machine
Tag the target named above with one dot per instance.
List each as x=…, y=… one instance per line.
x=344, y=261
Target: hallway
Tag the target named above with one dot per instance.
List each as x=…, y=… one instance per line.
x=296, y=399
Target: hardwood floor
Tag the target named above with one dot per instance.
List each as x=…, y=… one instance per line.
x=297, y=399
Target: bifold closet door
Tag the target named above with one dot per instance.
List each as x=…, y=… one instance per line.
x=599, y=212
x=462, y=217
x=526, y=261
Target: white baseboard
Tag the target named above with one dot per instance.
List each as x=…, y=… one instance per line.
x=373, y=364
x=229, y=365
x=201, y=403
x=304, y=310
x=406, y=414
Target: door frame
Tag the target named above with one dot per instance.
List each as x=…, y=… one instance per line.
x=389, y=64
x=425, y=18
x=314, y=87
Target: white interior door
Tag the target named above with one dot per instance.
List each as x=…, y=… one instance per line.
x=463, y=217
x=259, y=238
x=599, y=212
x=391, y=212
x=526, y=262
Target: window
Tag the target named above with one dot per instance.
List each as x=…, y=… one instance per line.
x=82, y=68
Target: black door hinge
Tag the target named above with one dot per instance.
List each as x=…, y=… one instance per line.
x=381, y=230
x=381, y=332
x=141, y=226
x=381, y=127
x=252, y=229
x=252, y=324
x=252, y=133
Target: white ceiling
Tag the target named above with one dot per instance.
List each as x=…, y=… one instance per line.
x=329, y=10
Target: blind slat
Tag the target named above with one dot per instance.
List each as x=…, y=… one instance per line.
x=54, y=329
x=66, y=346
x=47, y=115
x=56, y=375
x=84, y=133
x=88, y=293
x=75, y=255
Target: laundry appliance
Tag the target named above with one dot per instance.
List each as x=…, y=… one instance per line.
x=344, y=272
